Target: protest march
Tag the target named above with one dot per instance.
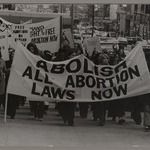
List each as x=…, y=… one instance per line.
x=43, y=65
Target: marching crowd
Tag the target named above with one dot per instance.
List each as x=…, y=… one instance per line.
x=115, y=109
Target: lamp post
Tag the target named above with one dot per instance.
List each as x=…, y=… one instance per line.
x=93, y=8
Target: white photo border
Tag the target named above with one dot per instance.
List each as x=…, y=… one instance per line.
x=76, y=1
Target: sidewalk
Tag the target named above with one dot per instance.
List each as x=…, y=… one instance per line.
x=26, y=132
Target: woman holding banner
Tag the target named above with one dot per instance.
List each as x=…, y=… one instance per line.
x=66, y=109
x=99, y=108
x=36, y=107
x=116, y=107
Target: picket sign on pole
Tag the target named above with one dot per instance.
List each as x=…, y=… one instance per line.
x=6, y=102
x=61, y=24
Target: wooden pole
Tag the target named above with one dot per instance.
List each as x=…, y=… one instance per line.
x=93, y=8
x=6, y=102
x=61, y=26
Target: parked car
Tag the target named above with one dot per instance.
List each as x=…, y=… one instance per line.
x=111, y=34
x=107, y=42
x=134, y=40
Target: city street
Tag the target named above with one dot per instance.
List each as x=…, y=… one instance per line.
x=74, y=52
x=26, y=132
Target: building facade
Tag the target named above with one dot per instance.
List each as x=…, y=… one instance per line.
x=133, y=20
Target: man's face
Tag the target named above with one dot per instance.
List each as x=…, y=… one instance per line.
x=32, y=49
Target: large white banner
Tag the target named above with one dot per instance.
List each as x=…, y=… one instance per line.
x=78, y=79
x=46, y=35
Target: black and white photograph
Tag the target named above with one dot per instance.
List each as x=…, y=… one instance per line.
x=75, y=75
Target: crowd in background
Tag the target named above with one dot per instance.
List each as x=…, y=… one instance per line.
x=116, y=108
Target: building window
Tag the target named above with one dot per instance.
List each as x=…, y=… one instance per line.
x=147, y=9
x=135, y=7
x=142, y=8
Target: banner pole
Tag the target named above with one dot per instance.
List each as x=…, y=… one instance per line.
x=61, y=24
x=6, y=102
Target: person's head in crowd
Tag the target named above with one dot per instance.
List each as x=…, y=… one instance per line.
x=116, y=59
x=105, y=61
x=116, y=47
x=11, y=53
x=47, y=55
x=78, y=49
x=122, y=53
x=100, y=55
x=98, y=58
x=104, y=51
x=111, y=53
x=72, y=54
x=33, y=48
x=65, y=44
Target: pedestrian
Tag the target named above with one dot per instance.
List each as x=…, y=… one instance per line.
x=66, y=109
x=116, y=107
x=99, y=108
x=48, y=56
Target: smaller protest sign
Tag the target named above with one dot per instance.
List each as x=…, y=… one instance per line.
x=68, y=35
x=92, y=44
x=20, y=32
